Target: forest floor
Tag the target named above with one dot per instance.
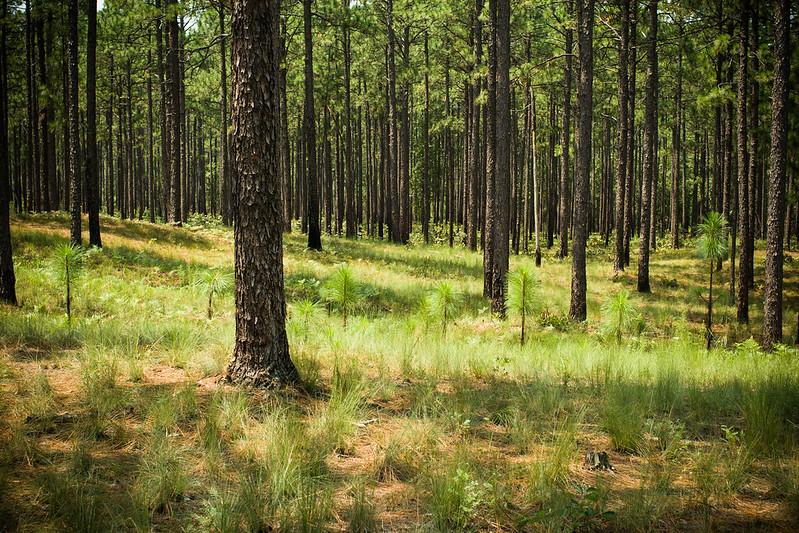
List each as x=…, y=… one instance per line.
x=118, y=419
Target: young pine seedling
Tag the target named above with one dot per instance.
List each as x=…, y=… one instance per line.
x=520, y=295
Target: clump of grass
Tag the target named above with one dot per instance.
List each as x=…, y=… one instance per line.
x=406, y=451
x=171, y=409
x=37, y=331
x=551, y=476
x=456, y=496
x=161, y=477
x=309, y=511
x=226, y=418
x=623, y=417
x=521, y=429
x=285, y=454
x=102, y=396
x=766, y=410
x=361, y=516
x=237, y=508
x=335, y=423
x=39, y=401
x=76, y=501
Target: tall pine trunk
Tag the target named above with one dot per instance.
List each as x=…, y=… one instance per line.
x=772, y=302
x=74, y=139
x=565, y=141
x=649, y=148
x=261, y=355
x=92, y=176
x=621, y=163
x=309, y=129
x=585, y=94
x=742, y=294
x=8, y=293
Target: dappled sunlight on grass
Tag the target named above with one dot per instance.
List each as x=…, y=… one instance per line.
x=119, y=419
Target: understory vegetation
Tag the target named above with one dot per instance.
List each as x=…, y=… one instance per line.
x=418, y=409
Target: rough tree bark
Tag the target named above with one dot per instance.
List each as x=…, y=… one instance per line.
x=775, y=225
x=742, y=289
x=650, y=138
x=309, y=129
x=74, y=139
x=173, y=109
x=565, y=140
x=621, y=168
x=261, y=356
x=224, y=150
x=8, y=293
x=585, y=94
x=474, y=143
x=92, y=176
x=502, y=151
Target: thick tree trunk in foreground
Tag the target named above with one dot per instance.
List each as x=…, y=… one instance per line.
x=309, y=129
x=92, y=177
x=775, y=225
x=649, y=145
x=585, y=94
x=8, y=293
x=74, y=139
x=261, y=356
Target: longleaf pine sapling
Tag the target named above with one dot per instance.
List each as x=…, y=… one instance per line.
x=521, y=295
x=712, y=246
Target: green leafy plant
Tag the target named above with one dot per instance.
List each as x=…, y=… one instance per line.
x=456, y=498
x=520, y=294
x=68, y=264
x=341, y=290
x=712, y=246
x=214, y=281
x=443, y=303
x=619, y=315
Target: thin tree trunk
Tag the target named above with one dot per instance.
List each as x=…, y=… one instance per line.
x=585, y=92
x=426, y=147
x=74, y=166
x=565, y=141
x=502, y=178
x=173, y=110
x=649, y=147
x=309, y=127
x=621, y=163
x=92, y=177
x=8, y=293
x=224, y=155
x=474, y=144
x=742, y=294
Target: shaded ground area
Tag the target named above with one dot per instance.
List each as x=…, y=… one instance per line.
x=117, y=420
